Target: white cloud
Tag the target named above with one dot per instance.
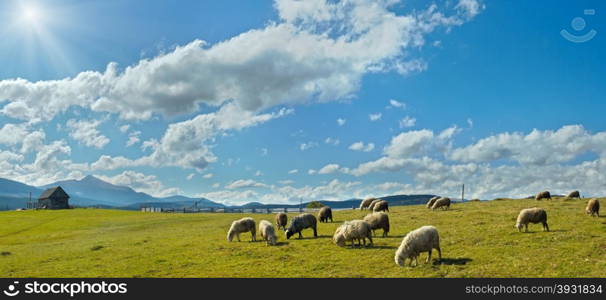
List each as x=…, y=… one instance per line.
x=133, y=138
x=307, y=146
x=359, y=146
x=293, y=171
x=316, y=52
x=469, y=122
x=407, y=122
x=244, y=183
x=332, y=141
x=191, y=176
x=535, y=148
x=208, y=176
x=375, y=117
x=185, y=144
x=286, y=182
x=397, y=104
x=329, y=169
x=86, y=132
x=258, y=173
x=470, y=8
x=341, y=121
x=311, y=172
x=124, y=128
x=140, y=182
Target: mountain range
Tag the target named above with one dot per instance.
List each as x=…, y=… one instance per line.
x=92, y=191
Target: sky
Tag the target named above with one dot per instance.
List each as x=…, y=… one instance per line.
x=281, y=101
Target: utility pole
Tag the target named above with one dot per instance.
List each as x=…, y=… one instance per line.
x=463, y=193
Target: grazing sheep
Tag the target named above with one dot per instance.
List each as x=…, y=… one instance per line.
x=574, y=194
x=366, y=202
x=267, y=232
x=381, y=206
x=423, y=239
x=432, y=201
x=373, y=203
x=281, y=220
x=240, y=226
x=301, y=222
x=324, y=214
x=378, y=221
x=352, y=230
x=443, y=202
x=593, y=207
x=543, y=195
x=532, y=215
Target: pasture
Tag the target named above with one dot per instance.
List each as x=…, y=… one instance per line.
x=478, y=239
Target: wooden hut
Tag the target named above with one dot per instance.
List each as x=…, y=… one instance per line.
x=53, y=198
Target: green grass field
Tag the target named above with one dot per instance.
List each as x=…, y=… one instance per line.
x=478, y=239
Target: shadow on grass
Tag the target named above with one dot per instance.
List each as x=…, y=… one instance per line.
x=320, y=236
x=367, y=247
x=453, y=261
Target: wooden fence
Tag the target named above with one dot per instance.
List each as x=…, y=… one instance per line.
x=230, y=210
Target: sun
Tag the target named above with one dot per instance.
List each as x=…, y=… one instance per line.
x=30, y=14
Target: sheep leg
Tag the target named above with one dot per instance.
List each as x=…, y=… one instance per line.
x=439, y=253
x=545, y=226
x=370, y=239
x=428, y=257
x=238, y=236
x=300, y=235
x=526, y=227
x=315, y=232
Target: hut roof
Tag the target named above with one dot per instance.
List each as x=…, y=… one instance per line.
x=54, y=191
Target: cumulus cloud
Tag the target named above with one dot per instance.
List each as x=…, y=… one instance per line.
x=397, y=104
x=341, y=121
x=140, y=182
x=244, y=183
x=307, y=146
x=86, y=132
x=293, y=171
x=316, y=52
x=375, y=117
x=133, y=138
x=185, y=144
x=360, y=146
x=332, y=141
x=407, y=122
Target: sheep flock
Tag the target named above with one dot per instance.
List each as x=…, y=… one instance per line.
x=356, y=232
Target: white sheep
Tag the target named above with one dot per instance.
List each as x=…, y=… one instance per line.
x=443, y=202
x=372, y=204
x=353, y=230
x=423, y=239
x=379, y=220
x=532, y=215
x=593, y=207
x=267, y=231
x=240, y=226
x=432, y=201
x=366, y=202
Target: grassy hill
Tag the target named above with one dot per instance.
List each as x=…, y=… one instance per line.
x=478, y=240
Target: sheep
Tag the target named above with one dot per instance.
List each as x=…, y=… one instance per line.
x=266, y=229
x=432, y=201
x=543, y=195
x=240, y=226
x=422, y=239
x=373, y=203
x=281, y=220
x=532, y=215
x=378, y=220
x=366, y=202
x=353, y=230
x=324, y=214
x=593, y=207
x=301, y=222
x=443, y=202
x=381, y=206
x=574, y=194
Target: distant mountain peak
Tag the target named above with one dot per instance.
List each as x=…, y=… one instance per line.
x=91, y=178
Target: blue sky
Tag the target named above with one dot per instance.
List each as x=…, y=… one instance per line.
x=280, y=100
